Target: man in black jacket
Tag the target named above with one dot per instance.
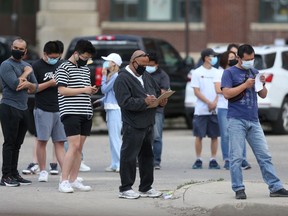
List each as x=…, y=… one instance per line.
x=135, y=90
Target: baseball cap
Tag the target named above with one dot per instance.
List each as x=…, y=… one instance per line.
x=208, y=52
x=113, y=57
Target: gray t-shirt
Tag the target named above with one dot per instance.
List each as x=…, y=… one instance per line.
x=10, y=71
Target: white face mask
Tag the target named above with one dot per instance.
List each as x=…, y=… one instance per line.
x=247, y=64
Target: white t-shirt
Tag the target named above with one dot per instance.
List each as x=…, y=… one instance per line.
x=202, y=78
x=222, y=102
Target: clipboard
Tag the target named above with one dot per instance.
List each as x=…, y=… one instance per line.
x=166, y=94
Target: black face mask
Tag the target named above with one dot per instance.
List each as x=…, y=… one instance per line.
x=17, y=54
x=140, y=69
x=81, y=62
x=232, y=62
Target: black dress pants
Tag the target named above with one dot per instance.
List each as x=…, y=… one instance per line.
x=137, y=143
x=14, y=127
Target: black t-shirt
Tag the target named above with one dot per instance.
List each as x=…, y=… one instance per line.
x=47, y=99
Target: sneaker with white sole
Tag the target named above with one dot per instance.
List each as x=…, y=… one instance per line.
x=129, y=194
x=54, y=169
x=79, y=186
x=43, y=176
x=84, y=167
x=32, y=168
x=65, y=187
x=152, y=193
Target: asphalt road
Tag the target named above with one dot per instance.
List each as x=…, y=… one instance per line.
x=178, y=157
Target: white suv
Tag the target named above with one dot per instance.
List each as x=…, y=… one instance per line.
x=273, y=110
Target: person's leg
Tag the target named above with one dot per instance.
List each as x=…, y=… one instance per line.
x=71, y=158
x=157, y=142
x=223, y=124
x=198, y=146
x=257, y=141
x=41, y=154
x=237, y=134
x=114, y=124
x=132, y=142
x=214, y=147
x=9, y=124
x=146, y=160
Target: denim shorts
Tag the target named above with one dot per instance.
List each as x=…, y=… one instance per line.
x=206, y=125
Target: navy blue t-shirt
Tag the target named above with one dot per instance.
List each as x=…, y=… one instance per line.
x=247, y=107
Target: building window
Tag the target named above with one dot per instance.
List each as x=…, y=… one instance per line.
x=274, y=11
x=6, y=6
x=154, y=10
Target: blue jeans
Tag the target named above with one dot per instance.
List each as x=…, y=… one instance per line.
x=239, y=130
x=157, y=143
x=223, y=126
x=114, y=124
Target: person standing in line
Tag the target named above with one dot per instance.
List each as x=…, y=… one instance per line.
x=33, y=167
x=18, y=80
x=163, y=81
x=135, y=90
x=205, y=121
x=74, y=85
x=227, y=60
x=46, y=111
x=238, y=83
x=113, y=113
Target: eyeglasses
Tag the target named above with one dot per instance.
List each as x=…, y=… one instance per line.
x=142, y=55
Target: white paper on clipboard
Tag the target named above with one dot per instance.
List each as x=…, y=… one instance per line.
x=258, y=83
x=166, y=94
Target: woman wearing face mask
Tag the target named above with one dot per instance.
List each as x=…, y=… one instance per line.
x=227, y=59
x=113, y=112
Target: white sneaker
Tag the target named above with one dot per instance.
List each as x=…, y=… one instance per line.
x=84, y=167
x=43, y=176
x=79, y=186
x=109, y=169
x=129, y=194
x=152, y=193
x=65, y=187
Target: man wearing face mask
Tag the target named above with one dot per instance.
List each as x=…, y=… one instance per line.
x=205, y=121
x=17, y=79
x=243, y=123
x=135, y=90
x=163, y=80
x=46, y=111
x=74, y=85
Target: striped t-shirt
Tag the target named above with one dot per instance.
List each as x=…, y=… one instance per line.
x=69, y=75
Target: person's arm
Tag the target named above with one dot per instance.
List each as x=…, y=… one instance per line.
x=211, y=104
x=66, y=91
x=232, y=92
x=107, y=86
x=264, y=91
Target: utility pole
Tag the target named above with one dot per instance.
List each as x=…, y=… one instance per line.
x=187, y=17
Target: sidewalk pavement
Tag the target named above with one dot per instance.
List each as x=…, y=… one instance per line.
x=216, y=198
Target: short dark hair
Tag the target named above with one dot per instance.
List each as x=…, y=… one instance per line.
x=60, y=45
x=245, y=48
x=51, y=47
x=153, y=57
x=83, y=46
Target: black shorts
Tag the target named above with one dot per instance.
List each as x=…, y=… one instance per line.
x=77, y=124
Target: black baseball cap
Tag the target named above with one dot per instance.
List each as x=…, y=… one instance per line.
x=208, y=52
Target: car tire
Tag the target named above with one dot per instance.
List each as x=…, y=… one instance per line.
x=280, y=126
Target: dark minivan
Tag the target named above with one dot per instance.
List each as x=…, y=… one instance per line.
x=169, y=60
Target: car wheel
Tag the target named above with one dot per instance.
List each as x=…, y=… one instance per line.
x=281, y=125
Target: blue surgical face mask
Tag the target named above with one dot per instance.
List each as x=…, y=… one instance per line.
x=52, y=61
x=247, y=64
x=151, y=69
x=105, y=64
x=214, y=60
